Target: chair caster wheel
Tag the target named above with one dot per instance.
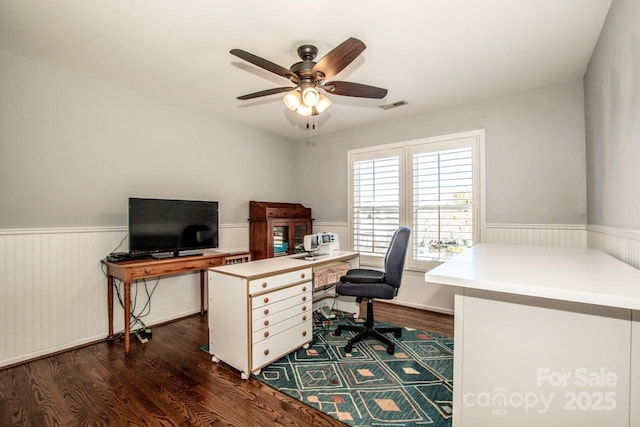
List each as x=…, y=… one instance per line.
x=348, y=348
x=391, y=349
x=337, y=332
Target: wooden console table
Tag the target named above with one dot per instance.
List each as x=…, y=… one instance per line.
x=128, y=271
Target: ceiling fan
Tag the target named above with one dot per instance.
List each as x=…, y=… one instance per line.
x=309, y=76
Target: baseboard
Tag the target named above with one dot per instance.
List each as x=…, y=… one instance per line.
x=37, y=355
x=27, y=358
x=417, y=306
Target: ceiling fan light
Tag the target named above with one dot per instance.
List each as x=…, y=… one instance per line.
x=323, y=104
x=292, y=100
x=310, y=96
x=305, y=111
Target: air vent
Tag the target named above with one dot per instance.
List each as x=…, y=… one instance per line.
x=394, y=105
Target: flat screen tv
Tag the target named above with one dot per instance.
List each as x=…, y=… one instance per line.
x=162, y=227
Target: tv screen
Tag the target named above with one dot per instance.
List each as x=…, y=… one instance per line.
x=178, y=227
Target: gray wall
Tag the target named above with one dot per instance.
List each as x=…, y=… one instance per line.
x=74, y=149
x=612, y=110
x=535, y=155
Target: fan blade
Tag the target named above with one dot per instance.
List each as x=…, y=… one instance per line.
x=266, y=92
x=355, y=89
x=341, y=56
x=267, y=65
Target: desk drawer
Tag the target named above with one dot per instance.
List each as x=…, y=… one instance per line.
x=278, y=280
x=272, y=312
x=276, y=346
x=159, y=268
x=302, y=289
x=276, y=328
x=272, y=322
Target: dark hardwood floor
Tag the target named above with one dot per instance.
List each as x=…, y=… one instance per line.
x=411, y=317
x=167, y=382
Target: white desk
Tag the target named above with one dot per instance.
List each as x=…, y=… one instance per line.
x=544, y=336
x=261, y=310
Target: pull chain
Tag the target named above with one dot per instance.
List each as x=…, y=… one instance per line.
x=313, y=123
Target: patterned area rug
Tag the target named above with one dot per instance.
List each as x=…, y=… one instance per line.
x=369, y=387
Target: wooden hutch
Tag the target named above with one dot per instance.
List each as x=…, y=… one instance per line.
x=277, y=229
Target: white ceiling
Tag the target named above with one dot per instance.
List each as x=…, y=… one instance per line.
x=431, y=53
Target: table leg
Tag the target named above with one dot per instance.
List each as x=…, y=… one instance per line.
x=110, y=304
x=201, y=292
x=127, y=316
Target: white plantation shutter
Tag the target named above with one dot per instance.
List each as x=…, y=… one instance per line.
x=442, y=203
x=430, y=185
x=375, y=203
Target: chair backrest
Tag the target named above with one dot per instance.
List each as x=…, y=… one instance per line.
x=394, y=259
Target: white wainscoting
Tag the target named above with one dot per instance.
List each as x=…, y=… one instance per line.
x=52, y=290
x=619, y=243
x=53, y=293
x=564, y=236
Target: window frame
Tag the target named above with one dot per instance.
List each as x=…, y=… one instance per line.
x=406, y=150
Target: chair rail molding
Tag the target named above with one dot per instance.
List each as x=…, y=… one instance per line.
x=61, y=230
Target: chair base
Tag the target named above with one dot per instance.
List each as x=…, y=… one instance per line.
x=369, y=331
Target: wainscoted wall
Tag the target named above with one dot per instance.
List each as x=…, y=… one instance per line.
x=564, y=236
x=53, y=290
x=619, y=243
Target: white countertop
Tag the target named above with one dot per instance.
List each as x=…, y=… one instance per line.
x=578, y=275
x=269, y=266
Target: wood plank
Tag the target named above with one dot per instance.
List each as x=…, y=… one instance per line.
x=168, y=381
x=416, y=318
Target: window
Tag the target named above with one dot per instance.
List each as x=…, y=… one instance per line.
x=376, y=203
x=430, y=185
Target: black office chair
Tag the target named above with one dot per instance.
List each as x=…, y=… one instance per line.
x=370, y=284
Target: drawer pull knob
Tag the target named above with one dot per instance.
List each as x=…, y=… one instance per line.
x=302, y=276
x=266, y=334
x=266, y=352
x=266, y=323
x=304, y=333
x=304, y=317
x=266, y=300
x=304, y=298
x=304, y=308
x=147, y=270
x=264, y=285
x=304, y=289
x=266, y=311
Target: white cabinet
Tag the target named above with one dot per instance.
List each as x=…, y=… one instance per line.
x=544, y=336
x=254, y=320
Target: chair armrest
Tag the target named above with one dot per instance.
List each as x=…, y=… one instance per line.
x=362, y=275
